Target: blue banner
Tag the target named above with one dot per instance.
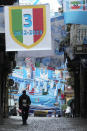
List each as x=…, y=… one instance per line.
x=75, y=12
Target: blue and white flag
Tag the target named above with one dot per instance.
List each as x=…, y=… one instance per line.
x=75, y=11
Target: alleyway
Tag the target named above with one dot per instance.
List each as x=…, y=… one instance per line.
x=44, y=124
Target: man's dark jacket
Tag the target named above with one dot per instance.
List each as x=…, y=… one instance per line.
x=24, y=101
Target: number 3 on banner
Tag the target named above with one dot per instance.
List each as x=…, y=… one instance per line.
x=27, y=20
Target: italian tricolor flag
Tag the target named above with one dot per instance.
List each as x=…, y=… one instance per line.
x=19, y=20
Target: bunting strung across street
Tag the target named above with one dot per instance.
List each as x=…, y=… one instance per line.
x=75, y=11
x=28, y=61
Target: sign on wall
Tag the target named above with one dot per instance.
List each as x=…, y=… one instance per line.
x=27, y=28
x=75, y=11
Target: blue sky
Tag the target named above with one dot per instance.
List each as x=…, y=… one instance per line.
x=53, y=3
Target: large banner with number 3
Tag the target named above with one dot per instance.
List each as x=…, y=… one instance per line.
x=27, y=28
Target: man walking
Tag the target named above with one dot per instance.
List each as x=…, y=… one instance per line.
x=73, y=108
x=24, y=104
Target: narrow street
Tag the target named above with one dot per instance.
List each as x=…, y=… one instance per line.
x=43, y=65
x=44, y=124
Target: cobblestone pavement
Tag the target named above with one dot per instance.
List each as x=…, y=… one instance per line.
x=44, y=124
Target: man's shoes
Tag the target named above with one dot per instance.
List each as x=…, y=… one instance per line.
x=24, y=123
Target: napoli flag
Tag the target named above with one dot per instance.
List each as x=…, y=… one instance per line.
x=75, y=11
x=29, y=27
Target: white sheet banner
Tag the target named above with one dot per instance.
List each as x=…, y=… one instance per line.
x=27, y=28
